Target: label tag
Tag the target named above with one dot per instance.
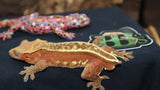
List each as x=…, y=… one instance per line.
x=125, y=38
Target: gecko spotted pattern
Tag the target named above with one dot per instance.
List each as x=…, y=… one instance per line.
x=36, y=24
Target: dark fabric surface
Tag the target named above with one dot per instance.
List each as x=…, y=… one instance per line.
x=140, y=73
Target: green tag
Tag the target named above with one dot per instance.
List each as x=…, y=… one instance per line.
x=125, y=38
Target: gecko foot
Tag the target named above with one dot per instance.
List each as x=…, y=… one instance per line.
x=70, y=36
x=126, y=55
x=97, y=84
x=29, y=71
x=6, y=35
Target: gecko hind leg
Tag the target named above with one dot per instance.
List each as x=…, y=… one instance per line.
x=91, y=72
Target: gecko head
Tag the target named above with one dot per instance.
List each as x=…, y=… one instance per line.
x=26, y=47
x=18, y=51
x=79, y=20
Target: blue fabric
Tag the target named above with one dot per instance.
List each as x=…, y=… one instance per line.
x=140, y=73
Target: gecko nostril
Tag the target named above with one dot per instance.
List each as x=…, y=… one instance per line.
x=15, y=53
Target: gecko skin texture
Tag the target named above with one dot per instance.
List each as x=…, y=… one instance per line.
x=75, y=54
x=38, y=25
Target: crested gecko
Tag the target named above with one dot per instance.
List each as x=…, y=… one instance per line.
x=69, y=55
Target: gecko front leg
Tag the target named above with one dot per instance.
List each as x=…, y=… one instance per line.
x=29, y=71
x=91, y=73
x=8, y=34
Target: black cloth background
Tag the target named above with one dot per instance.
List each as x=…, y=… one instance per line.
x=140, y=73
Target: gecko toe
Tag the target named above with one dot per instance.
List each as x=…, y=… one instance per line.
x=32, y=76
x=22, y=72
x=26, y=77
x=130, y=56
x=89, y=84
x=25, y=67
x=95, y=85
x=101, y=88
x=104, y=77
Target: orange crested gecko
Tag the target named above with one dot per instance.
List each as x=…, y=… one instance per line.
x=69, y=55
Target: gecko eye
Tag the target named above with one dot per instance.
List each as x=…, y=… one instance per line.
x=15, y=53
